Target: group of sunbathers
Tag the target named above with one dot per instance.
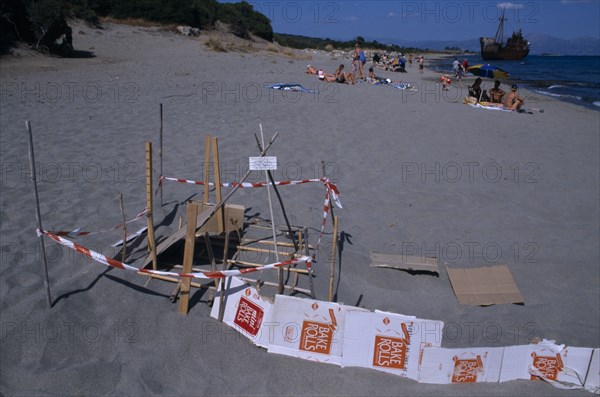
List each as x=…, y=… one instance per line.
x=497, y=97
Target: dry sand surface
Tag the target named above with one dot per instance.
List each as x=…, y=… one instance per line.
x=418, y=172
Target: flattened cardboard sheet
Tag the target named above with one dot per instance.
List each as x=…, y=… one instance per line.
x=563, y=367
x=246, y=310
x=405, y=262
x=388, y=342
x=309, y=329
x=485, y=286
x=466, y=365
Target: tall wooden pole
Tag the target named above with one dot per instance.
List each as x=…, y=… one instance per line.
x=333, y=251
x=124, y=250
x=38, y=215
x=160, y=152
x=188, y=256
x=149, y=205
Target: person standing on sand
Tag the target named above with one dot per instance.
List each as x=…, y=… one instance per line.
x=410, y=59
x=455, y=67
x=362, y=59
x=421, y=64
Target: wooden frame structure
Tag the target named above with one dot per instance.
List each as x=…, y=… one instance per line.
x=219, y=225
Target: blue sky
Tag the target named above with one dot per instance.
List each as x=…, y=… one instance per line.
x=429, y=20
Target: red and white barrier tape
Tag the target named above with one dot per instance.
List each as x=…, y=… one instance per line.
x=328, y=184
x=204, y=275
x=330, y=188
x=78, y=233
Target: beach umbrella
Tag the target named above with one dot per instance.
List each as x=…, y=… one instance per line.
x=489, y=71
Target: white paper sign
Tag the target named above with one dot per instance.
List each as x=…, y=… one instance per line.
x=463, y=365
x=309, y=329
x=388, y=342
x=263, y=163
x=246, y=311
x=563, y=367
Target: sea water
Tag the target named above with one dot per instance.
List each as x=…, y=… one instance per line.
x=575, y=79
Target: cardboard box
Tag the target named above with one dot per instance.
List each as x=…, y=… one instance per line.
x=408, y=263
x=309, y=329
x=246, y=311
x=466, y=365
x=388, y=342
x=485, y=286
x=564, y=367
x=592, y=381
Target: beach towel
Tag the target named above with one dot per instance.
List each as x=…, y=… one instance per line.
x=402, y=86
x=480, y=106
x=291, y=87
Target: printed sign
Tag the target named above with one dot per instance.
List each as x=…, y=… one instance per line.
x=249, y=316
x=466, y=370
x=564, y=366
x=309, y=329
x=246, y=310
x=263, y=163
x=468, y=365
x=388, y=342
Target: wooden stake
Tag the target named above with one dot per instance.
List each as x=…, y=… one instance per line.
x=124, y=250
x=220, y=204
x=217, y=180
x=188, y=255
x=333, y=251
x=150, y=206
x=310, y=273
x=225, y=267
x=205, y=171
x=211, y=256
x=160, y=152
x=38, y=215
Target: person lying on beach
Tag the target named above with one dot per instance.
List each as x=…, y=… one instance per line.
x=311, y=70
x=338, y=77
x=512, y=100
x=496, y=93
x=341, y=77
x=373, y=77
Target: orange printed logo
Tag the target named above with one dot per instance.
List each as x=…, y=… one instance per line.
x=549, y=366
x=249, y=316
x=466, y=370
x=390, y=352
x=317, y=337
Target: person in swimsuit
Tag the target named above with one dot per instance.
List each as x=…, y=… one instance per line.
x=362, y=59
x=496, y=93
x=512, y=100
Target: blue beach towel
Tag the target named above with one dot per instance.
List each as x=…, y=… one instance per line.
x=291, y=87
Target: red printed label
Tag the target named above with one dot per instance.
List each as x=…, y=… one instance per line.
x=316, y=337
x=466, y=370
x=549, y=366
x=390, y=352
x=249, y=316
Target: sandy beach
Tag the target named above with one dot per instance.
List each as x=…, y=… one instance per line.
x=419, y=172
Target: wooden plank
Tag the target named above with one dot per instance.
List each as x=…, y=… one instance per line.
x=188, y=256
x=333, y=251
x=217, y=171
x=149, y=204
x=179, y=234
x=405, y=262
x=206, y=167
